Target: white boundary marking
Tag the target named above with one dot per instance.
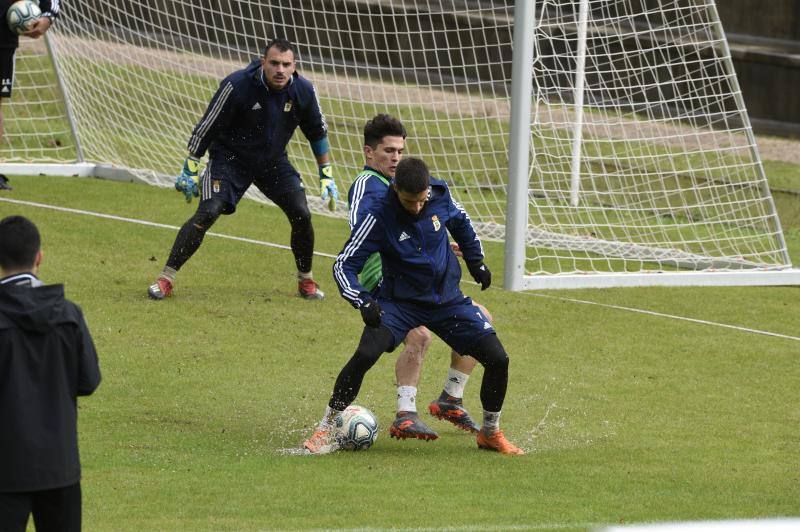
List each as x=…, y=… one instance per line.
x=663, y=315
x=780, y=524
x=152, y=224
x=538, y=526
x=328, y=255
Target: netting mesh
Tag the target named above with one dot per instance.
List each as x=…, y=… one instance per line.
x=34, y=119
x=642, y=148
x=642, y=157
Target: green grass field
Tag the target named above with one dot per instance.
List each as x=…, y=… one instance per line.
x=626, y=417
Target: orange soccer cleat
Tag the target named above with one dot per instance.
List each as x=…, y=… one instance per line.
x=496, y=441
x=321, y=442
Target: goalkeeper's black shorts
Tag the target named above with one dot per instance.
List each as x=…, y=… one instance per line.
x=228, y=182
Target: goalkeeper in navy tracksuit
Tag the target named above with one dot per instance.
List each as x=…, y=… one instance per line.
x=245, y=129
x=9, y=42
x=421, y=277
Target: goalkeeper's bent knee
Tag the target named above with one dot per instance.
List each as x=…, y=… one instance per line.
x=207, y=213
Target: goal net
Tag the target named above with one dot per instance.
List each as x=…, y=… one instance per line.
x=642, y=161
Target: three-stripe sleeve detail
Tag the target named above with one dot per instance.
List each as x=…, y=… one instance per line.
x=359, y=187
x=203, y=127
x=355, y=242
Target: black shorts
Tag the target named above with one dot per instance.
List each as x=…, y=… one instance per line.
x=228, y=182
x=7, y=58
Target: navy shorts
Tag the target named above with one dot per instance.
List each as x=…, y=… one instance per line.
x=460, y=325
x=228, y=182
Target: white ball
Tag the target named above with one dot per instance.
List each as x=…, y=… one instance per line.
x=356, y=428
x=21, y=15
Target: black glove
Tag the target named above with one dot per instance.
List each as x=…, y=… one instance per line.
x=480, y=272
x=371, y=313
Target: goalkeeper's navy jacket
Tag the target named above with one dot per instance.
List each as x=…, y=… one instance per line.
x=47, y=359
x=249, y=124
x=418, y=264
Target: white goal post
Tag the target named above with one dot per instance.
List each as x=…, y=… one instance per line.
x=605, y=142
x=641, y=167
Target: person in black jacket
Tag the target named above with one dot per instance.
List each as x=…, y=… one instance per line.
x=47, y=360
x=245, y=129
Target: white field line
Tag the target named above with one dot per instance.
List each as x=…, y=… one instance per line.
x=152, y=224
x=671, y=316
x=482, y=526
x=328, y=255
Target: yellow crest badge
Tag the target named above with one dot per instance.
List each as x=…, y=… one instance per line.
x=215, y=185
x=287, y=107
x=436, y=223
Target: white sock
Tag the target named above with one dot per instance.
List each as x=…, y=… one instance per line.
x=406, y=399
x=491, y=421
x=169, y=273
x=454, y=385
x=330, y=415
x=304, y=275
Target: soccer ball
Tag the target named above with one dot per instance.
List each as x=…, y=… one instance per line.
x=21, y=15
x=356, y=428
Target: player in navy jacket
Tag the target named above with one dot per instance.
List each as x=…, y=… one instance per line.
x=384, y=144
x=245, y=130
x=418, y=264
x=421, y=276
x=9, y=41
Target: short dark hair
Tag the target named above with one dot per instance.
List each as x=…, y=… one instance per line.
x=382, y=126
x=283, y=45
x=412, y=176
x=19, y=243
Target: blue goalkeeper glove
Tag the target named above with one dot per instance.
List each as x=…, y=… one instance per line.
x=187, y=182
x=328, y=190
